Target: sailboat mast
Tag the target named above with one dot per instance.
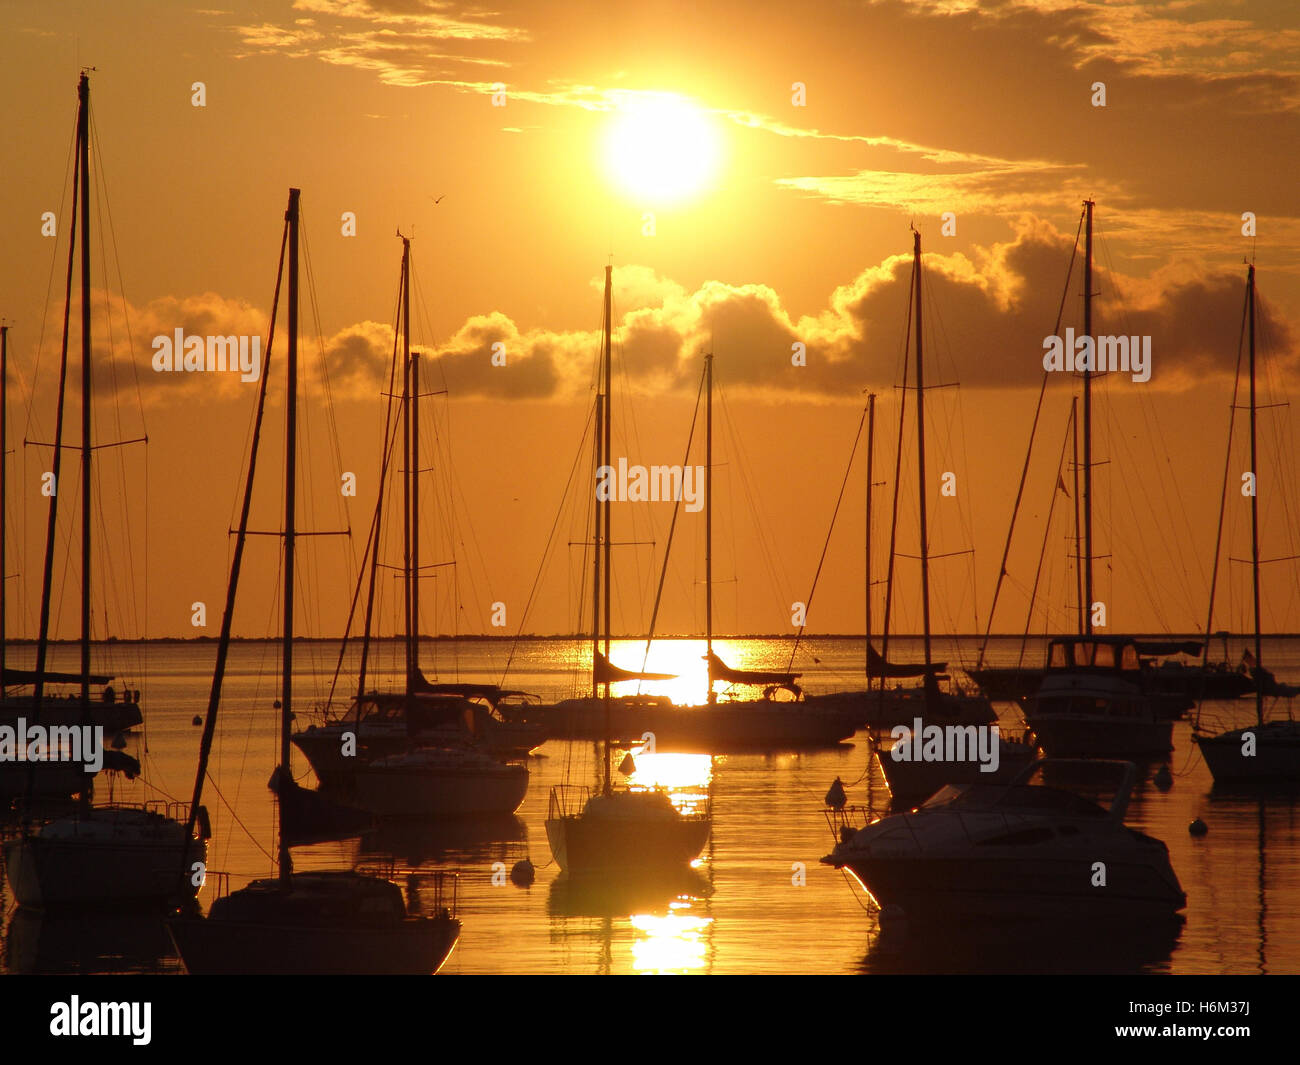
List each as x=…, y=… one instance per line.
x=1078, y=572
x=920, y=451
x=606, y=507
x=1087, y=423
x=708, y=519
x=1254, y=501
x=415, y=514
x=871, y=451
x=595, y=552
x=236, y=562
x=56, y=470
x=83, y=143
x=408, y=482
x=4, y=480
x=290, y=518
x=608, y=442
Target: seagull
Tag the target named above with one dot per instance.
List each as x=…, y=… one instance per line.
x=439, y=199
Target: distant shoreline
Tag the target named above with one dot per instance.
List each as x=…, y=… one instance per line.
x=785, y=637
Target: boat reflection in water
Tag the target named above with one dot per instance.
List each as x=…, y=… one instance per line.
x=661, y=919
x=1038, y=947
x=466, y=840
x=88, y=943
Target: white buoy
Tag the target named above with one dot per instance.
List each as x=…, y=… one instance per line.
x=522, y=874
x=1198, y=828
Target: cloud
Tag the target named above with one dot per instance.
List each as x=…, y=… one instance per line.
x=987, y=315
x=400, y=40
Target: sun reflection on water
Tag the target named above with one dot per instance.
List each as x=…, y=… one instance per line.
x=685, y=660
x=673, y=943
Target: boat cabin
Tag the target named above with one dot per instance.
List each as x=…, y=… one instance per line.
x=1106, y=653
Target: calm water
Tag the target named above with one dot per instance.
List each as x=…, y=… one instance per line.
x=741, y=911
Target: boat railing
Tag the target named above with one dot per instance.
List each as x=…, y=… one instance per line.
x=848, y=820
x=1233, y=717
x=567, y=800
x=427, y=890
x=848, y=817
x=215, y=884
x=174, y=810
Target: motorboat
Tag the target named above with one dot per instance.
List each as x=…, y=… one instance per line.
x=1097, y=715
x=1018, y=851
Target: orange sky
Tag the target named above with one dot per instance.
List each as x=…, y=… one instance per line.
x=799, y=235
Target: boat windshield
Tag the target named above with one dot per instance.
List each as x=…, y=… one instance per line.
x=1096, y=654
x=1071, y=788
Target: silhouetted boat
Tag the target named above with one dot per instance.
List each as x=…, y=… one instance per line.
x=914, y=780
x=111, y=855
x=1265, y=755
x=782, y=718
x=616, y=829
x=390, y=723
x=1173, y=685
x=883, y=707
x=1088, y=707
x=313, y=817
x=299, y=923
x=989, y=852
x=429, y=750
x=432, y=782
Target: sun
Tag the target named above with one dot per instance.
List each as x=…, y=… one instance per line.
x=661, y=147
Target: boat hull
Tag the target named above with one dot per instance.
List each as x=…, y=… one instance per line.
x=754, y=725
x=424, y=792
x=901, y=706
x=1274, y=765
x=415, y=947
x=583, y=845
x=960, y=888
x=914, y=782
x=1084, y=736
x=112, y=717
x=59, y=874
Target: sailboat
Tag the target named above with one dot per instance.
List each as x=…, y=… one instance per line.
x=444, y=768
x=312, y=922
x=1090, y=703
x=616, y=830
x=882, y=707
x=917, y=779
x=56, y=774
x=781, y=718
x=111, y=855
x=1264, y=755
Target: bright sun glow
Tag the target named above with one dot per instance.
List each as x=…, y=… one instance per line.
x=661, y=147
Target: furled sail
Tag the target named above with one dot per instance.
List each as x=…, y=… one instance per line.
x=608, y=673
x=29, y=676
x=1169, y=647
x=719, y=670
x=878, y=667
